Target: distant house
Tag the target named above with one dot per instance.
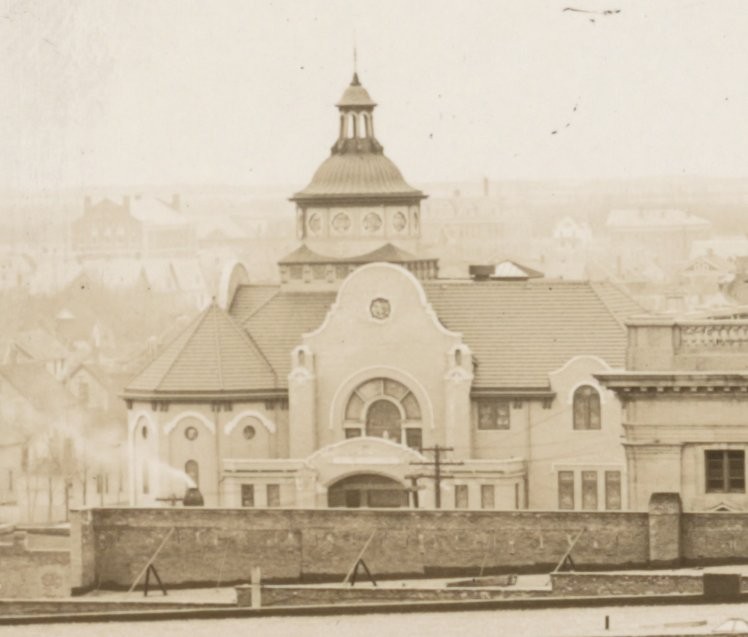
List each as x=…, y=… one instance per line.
x=16, y=271
x=707, y=275
x=61, y=443
x=572, y=233
x=35, y=414
x=137, y=227
x=38, y=345
x=668, y=233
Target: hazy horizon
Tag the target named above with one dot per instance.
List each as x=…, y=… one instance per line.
x=241, y=94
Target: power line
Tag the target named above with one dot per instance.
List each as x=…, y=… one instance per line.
x=437, y=463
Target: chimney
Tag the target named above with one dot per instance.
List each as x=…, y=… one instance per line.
x=126, y=202
x=176, y=202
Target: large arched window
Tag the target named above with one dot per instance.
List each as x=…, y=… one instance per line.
x=586, y=408
x=384, y=408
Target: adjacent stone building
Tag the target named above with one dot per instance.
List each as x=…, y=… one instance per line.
x=685, y=400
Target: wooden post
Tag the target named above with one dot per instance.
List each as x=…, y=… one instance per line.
x=256, y=579
x=358, y=557
x=150, y=561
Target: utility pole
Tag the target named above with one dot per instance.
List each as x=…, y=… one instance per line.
x=438, y=476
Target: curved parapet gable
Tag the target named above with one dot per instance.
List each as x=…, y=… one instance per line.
x=234, y=275
x=378, y=279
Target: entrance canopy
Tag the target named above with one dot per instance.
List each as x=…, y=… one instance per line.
x=367, y=490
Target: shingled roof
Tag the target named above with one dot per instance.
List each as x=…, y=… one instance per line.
x=518, y=331
x=387, y=253
x=212, y=356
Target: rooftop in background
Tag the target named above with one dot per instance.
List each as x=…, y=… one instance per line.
x=662, y=219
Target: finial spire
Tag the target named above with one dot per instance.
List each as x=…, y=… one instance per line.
x=354, y=81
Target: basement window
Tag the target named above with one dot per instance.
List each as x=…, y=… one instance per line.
x=725, y=471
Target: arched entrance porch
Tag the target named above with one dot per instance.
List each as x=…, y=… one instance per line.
x=367, y=490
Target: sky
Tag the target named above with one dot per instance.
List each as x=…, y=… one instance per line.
x=242, y=92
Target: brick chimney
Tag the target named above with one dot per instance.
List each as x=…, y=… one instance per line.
x=176, y=201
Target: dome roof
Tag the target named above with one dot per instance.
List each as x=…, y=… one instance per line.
x=355, y=95
x=362, y=174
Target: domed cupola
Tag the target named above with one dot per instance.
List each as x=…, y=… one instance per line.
x=357, y=194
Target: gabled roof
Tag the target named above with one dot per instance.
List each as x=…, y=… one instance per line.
x=40, y=345
x=211, y=356
x=518, y=331
x=38, y=387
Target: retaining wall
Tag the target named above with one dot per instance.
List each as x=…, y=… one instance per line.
x=32, y=573
x=111, y=546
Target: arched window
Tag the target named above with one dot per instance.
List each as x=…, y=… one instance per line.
x=192, y=470
x=380, y=407
x=586, y=408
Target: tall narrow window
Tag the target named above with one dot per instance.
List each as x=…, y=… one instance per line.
x=146, y=484
x=273, y=495
x=566, y=490
x=586, y=408
x=248, y=495
x=192, y=470
x=487, y=496
x=725, y=471
x=83, y=393
x=461, y=496
x=413, y=438
x=613, y=490
x=589, y=490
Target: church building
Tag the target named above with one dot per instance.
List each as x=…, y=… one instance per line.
x=364, y=380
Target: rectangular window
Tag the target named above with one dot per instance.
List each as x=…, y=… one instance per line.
x=248, y=495
x=566, y=490
x=487, y=496
x=461, y=496
x=725, y=471
x=83, y=393
x=352, y=432
x=99, y=483
x=273, y=493
x=589, y=490
x=414, y=439
x=613, y=490
x=493, y=413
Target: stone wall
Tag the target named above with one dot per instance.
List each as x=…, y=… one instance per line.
x=366, y=594
x=208, y=545
x=32, y=573
x=712, y=538
x=625, y=584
